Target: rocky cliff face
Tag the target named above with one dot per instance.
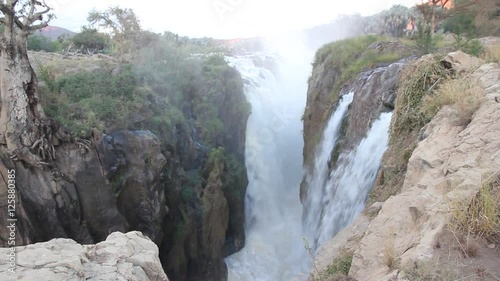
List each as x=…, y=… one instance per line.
x=130, y=256
x=375, y=93
x=185, y=194
x=449, y=165
x=413, y=234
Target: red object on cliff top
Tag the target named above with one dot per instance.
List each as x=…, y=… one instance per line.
x=448, y=4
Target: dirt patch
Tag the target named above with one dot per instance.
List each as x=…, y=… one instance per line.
x=470, y=258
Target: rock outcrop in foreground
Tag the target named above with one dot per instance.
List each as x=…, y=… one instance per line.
x=128, y=257
x=411, y=235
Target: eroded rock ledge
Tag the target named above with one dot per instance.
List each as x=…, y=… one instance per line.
x=122, y=256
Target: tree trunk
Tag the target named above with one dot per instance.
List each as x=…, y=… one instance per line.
x=433, y=19
x=20, y=109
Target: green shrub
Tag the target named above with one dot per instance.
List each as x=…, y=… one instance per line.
x=462, y=23
x=195, y=180
x=343, y=52
x=87, y=101
x=42, y=43
x=369, y=59
x=352, y=56
x=427, y=42
x=468, y=45
x=87, y=84
x=340, y=265
x=216, y=155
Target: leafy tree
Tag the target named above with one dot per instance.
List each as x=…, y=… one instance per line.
x=123, y=25
x=91, y=39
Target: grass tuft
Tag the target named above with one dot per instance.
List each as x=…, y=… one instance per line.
x=463, y=93
x=481, y=215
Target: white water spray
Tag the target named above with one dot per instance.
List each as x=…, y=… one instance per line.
x=336, y=199
x=274, y=249
x=317, y=178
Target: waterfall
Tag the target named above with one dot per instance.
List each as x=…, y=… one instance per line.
x=317, y=178
x=275, y=221
x=274, y=249
x=336, y=198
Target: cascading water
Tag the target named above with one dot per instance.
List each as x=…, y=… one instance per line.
x=274, y=249
x=336, y=198
x=317, y=178
x=275, y=222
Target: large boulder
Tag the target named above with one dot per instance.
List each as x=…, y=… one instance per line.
x=128, y=257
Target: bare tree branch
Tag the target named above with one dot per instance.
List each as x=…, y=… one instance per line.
x=19, y=23
x=32, y=10
x=33, y=17
x=32, y=28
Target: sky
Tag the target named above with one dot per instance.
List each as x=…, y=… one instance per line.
x=222, y=18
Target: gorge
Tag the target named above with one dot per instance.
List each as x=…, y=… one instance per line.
x=289, y=158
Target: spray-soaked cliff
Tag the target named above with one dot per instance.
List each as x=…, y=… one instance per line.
x=424, y=195
x=351, y=92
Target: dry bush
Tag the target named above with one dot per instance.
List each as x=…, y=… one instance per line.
x=417, y=81
x=470, y=248
x=465, y=94
x=467, y=245
x=492, y=53
x=481, y=215
x=389, y=256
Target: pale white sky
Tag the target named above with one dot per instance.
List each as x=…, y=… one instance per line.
x=222, y=18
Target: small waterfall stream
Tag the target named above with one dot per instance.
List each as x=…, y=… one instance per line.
x=317, y=178
x=339, y=197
